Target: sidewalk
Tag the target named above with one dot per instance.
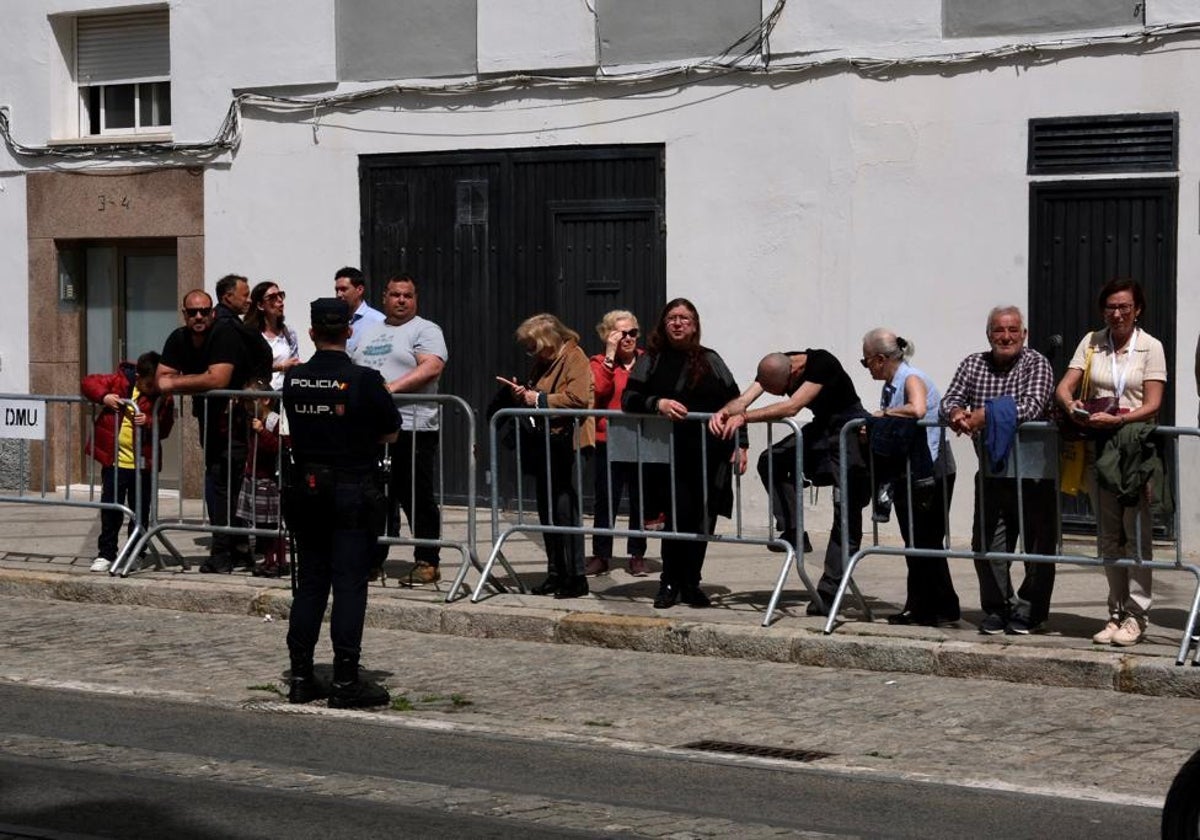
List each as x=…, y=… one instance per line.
x=45, y=552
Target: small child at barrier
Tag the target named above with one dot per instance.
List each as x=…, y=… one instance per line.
x=111, y=444
x=258, y=501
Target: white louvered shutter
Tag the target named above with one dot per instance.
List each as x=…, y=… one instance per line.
x=132, y=47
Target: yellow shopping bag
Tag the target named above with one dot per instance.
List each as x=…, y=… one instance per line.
x=1071, y=457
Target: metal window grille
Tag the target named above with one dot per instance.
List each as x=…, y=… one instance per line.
x=1112, y=143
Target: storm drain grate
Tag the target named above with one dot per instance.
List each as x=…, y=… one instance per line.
x=756, y=750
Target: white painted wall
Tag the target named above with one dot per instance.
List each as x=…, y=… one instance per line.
x=563, y=37
x=800, y=211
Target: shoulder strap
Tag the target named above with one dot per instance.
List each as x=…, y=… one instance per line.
x=1085, y=386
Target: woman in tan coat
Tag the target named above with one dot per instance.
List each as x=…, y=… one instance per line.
x=561, y=377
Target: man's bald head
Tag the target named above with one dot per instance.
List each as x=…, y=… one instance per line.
x=774, y=372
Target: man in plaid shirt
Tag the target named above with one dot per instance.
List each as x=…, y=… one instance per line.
x=1011, y=369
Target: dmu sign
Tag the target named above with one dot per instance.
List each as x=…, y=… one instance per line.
x=25, y=419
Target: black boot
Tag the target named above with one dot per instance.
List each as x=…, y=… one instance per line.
x=349, y=691
x=668, y=595
x=549, y=586
x=575, y=586
x=303, y=687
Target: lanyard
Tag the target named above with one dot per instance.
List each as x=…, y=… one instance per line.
x=1119, y=379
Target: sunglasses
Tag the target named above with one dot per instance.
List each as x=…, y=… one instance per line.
x=633, y=333
x=867, y=361
x=280, y=295
x=197, y=311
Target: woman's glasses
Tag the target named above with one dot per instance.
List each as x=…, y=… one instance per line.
x=633, y=333
x=280, y=295
x=1123, y=308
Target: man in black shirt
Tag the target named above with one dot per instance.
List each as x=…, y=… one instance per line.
x=816, y=380
x=338, y=415
x=227, y=362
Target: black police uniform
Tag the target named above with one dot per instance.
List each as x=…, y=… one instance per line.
x=337, y=413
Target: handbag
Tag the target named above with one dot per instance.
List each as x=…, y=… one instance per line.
x=1072, y=454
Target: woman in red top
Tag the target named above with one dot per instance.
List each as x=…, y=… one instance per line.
x=610, y=371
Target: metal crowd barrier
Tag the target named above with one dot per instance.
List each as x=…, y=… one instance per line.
x=1045, y=466
x=35, y=419
x=210, y=407
x=467, y=547
x=640, y=441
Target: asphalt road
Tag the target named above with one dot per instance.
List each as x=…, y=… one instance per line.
x=74, y=763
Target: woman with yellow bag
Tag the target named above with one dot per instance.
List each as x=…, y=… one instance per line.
x=1125, y=372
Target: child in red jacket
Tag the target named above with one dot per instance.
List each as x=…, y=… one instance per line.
x=112, y=444
x=259, y=500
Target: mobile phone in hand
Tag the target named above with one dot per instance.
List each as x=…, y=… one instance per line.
x=1080, y=413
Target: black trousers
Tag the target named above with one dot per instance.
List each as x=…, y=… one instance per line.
x=997, y=528
x=119, y=486
x=624, y=476
x=683, y=560
x=558, y=504
x=412, y=486
x=337, y=559
x=931, y=592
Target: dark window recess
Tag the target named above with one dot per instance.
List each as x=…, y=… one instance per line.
x=1115, y=143
x=471, y=200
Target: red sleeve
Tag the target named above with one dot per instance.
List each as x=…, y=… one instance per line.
x=97, y=386
x=603, y=376
x=166, y=417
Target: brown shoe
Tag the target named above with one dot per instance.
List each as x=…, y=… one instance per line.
x=637, y=566
x=595, y=566
x=424, y=573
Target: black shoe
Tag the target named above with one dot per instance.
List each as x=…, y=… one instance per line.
x=694, y=596
x=904, y=618
x=788, y=536
x=549, y=586
x=358, y=695
x=576, y=586
x=216, y=567
x=306, y=690
x=815, y=609
x=993, y=625
x=808, y=549
x=667, y=597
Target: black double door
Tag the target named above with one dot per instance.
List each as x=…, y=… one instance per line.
x=494, y=237
x=1083, y=234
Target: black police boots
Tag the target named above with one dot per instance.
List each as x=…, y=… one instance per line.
x=351, y=692
x=303, y=686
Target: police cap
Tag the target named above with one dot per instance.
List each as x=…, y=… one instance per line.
x=329, y=312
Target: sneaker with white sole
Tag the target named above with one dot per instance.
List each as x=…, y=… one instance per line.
x=1105, y=636
x=101, y=564
x=1129, y=633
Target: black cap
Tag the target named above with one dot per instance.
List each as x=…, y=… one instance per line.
x=329, y=312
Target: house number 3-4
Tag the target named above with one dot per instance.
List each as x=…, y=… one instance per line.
x=104, y=202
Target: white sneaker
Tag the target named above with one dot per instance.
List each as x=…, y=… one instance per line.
x=1129, y=633
x=101, y=565
x=1105, y=636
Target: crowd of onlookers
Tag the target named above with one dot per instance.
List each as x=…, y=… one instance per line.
x=1105, y=404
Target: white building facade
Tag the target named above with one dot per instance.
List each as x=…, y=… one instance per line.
x=808, y=170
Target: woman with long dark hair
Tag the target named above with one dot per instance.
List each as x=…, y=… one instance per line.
x=679, y=375
x=266, y=316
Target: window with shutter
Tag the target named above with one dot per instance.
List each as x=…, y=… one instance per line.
x=123, y=71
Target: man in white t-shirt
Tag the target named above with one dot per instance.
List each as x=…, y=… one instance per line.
x=410, y=352
x=350, y=285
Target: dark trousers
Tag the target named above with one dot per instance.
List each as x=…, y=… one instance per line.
x=412, y=486
x=337, y=559
x=683, y=560
x=997, y=528
x=624, y=476
x=225, y=464
x=777, y=469
x=558, y=504
x=119, y=486
x=931, y=592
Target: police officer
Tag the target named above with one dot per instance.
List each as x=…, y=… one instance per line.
x=338, y=414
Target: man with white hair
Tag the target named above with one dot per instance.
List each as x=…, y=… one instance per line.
x=1008, y=369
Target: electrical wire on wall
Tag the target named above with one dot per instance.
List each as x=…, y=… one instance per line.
x=747, y=56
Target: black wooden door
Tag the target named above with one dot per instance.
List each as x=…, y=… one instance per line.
x=1083, y=234
x=496, y=236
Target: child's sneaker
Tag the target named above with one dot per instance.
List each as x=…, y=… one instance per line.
x=655, y=523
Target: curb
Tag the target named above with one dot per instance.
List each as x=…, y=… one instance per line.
x=1156, y=677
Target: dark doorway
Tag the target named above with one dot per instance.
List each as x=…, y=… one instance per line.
x=1082, y=234
x=496, y=236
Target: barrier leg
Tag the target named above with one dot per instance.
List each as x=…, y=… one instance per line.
x=1189, y=629
x=796, y=557
x=486, y=572
x=846, y=582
